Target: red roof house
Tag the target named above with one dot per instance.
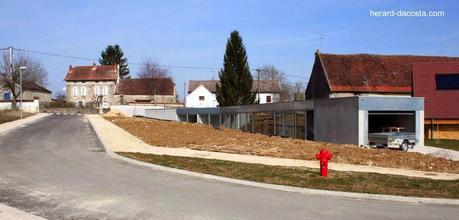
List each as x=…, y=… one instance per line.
x=143, y=86
x=92, y=73
x=359, y=74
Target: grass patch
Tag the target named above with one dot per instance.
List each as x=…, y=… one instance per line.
x=443, y=143
x=11, y=115
x=309, y=178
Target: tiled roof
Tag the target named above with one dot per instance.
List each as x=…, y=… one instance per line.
x=372, y=73
x=32, y=86
x=91, y=73
x=266, y=86
x=144, y=86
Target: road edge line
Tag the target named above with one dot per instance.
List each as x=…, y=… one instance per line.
x=309, y=191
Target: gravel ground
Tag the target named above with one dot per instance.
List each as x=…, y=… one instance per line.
x=203, y=137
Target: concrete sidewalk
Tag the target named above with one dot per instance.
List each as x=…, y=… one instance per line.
x=10, y=213
x=15, y=124
x=120, y=140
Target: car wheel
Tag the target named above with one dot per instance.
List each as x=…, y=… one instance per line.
x=404, y=146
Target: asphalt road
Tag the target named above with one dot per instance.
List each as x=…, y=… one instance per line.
x=56, y=168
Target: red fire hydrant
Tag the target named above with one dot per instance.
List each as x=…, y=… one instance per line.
x=324, y=156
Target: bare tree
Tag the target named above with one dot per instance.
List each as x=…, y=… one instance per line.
x=9, y=73
x=298, y=88
x=289, y=91
x=270, y=72
x=152, y=73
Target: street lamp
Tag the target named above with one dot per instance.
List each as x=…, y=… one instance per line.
x=20, y=83
x=258, y=84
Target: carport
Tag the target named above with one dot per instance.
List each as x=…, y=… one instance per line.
x=378, y=120
x=349, y=120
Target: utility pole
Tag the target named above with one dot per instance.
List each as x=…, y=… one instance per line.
x=20, y=82
x=10, y=61
x=258, y=84
x=184, y=94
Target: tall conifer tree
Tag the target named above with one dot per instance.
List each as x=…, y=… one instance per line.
x=235, y=86
x=113, y=54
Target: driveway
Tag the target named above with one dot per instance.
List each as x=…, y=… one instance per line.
x=56, y=168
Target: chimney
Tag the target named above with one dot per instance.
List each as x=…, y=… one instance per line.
x=70, y=66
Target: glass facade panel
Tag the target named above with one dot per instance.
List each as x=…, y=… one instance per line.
x=249, y=122
x=300, y=125
x=270, y=123
x=260, y=122
x=289, y=124
x=279, y=123
x=243, y=121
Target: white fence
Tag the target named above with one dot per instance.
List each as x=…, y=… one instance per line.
x=134, y=110
x=27, y=106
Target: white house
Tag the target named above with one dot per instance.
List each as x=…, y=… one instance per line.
x=201, y=93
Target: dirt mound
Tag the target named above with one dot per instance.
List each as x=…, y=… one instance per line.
x=204, y=137
x=114, y=114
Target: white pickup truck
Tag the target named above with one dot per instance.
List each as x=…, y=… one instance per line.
x=392, y=137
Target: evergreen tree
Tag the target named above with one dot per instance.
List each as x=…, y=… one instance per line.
x=235, y=86
x=113, y=54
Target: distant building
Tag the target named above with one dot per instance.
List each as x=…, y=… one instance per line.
x=32, y=91
x=201, y=93
x=158, y=91
x=435, y=78
x=85, y=83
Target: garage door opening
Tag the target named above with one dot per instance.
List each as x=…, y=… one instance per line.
x=379, y=120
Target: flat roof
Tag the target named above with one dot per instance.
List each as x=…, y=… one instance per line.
x=369, y=103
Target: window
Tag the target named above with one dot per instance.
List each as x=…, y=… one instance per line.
x=105, y=90
x=268, y=99
x=201, y=98
x=447, y=81
x=97, y=90
x=83, y=90
x=75, y=90
x=6, y=96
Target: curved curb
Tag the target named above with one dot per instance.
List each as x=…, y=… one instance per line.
x=279, y=187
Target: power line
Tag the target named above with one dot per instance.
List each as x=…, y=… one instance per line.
x=56, y=55
x=136, y=63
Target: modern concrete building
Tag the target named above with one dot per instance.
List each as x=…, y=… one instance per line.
x=346, y=120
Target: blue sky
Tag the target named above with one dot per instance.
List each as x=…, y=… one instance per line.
x=194, y=33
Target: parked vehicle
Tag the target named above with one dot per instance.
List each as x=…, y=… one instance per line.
x=392, y=137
